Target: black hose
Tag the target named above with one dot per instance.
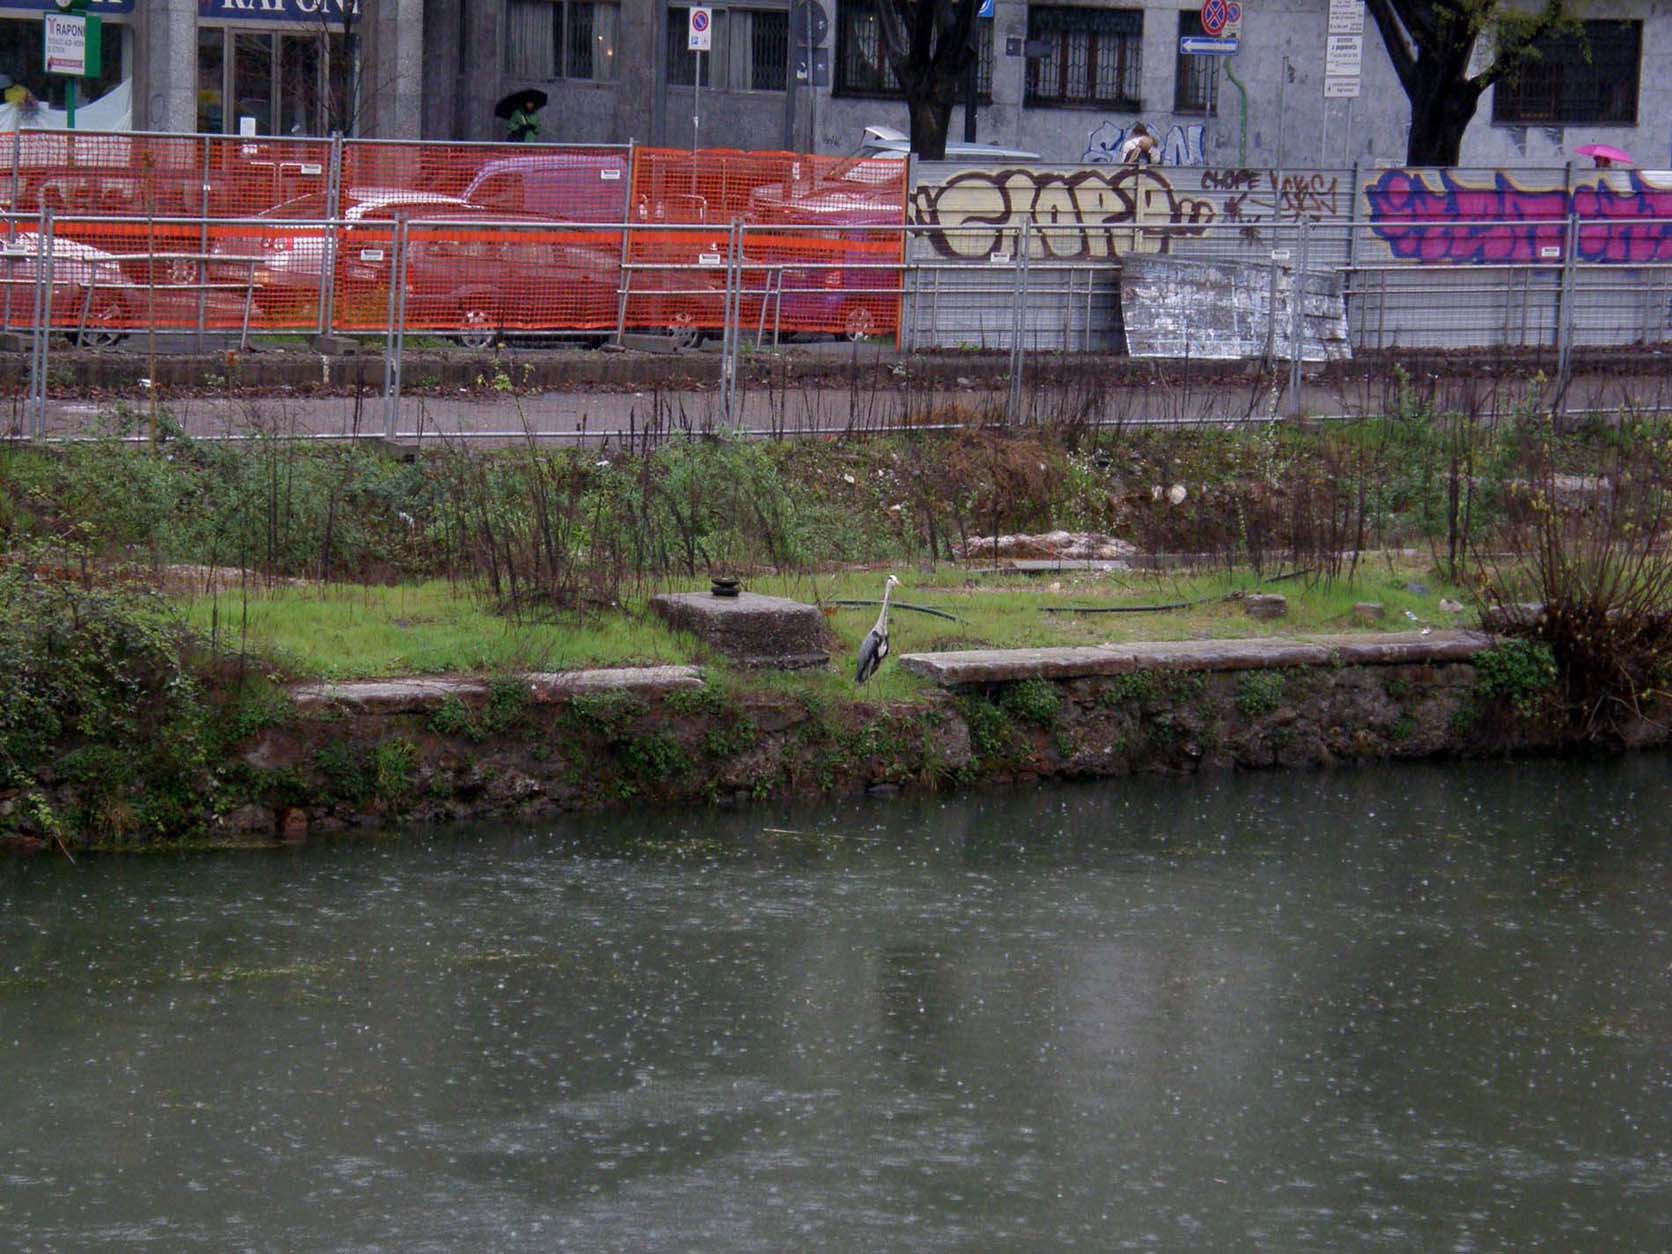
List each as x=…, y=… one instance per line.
x=901, y=605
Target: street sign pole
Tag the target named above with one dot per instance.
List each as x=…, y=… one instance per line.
x=699, y=38
x=985, y=11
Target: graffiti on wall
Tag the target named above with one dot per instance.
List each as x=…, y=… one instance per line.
x=1181, y=145
x=1078, y=215
x=1253, y=197
x=1439, y=217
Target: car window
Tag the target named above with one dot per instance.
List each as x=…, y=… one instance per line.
x=502, y=191
x=309, y=206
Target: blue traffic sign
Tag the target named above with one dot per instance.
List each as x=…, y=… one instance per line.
x=1198, y=46
x=986, y=9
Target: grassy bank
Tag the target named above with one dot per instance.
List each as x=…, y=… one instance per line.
x=348, y=631
x=161, y=590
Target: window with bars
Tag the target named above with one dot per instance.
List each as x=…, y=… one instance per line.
x=683, y=64
x=548, y=39
x=1585, y=78
x=862, y=67
x=767, y=60
x=1196, y=83
x=1094, y=57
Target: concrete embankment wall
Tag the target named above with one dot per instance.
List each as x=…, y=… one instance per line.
x=363, y=754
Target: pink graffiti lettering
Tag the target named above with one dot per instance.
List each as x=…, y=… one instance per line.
x=1462, y=223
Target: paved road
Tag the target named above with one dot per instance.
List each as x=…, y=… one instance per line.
x=880, y=403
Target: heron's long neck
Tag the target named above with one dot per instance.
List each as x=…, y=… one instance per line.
x=882, y=619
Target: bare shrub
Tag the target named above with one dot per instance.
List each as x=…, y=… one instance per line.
x=1591, y=553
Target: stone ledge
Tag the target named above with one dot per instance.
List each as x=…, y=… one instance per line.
x=405, y=696
x=997, y=666
x=557, y=685
x=383, y=696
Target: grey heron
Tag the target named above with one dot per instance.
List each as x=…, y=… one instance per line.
x=874, y=647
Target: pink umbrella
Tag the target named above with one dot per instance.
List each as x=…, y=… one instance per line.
x=1605, y=154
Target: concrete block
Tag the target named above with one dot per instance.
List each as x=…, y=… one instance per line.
x=1368, y=612
x=760, y=632
x=1265, y=605
x=1002, y=666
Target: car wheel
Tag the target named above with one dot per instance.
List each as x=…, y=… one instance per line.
x=104, y=328
x=683, y=330
x=481, y=331
x=858, y=323
x=179, y=271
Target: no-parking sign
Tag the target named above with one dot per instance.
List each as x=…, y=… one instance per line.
x=1222, y=18
x=700, y=36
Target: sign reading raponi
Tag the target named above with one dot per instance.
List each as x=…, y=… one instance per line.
x=278, y=10
x=66, y=44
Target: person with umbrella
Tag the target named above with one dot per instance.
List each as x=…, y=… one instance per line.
x=519, y=109
x=1605, y=155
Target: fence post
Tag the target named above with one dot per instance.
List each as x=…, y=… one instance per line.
x=1297, y=317
x=629, y=177
x=1348, y=275
x=1018, y=322
x=39, y=359
x=1564, y=312
x=202, y=267
x=17, y=177
x=731, y=330
x=395, y=341
x=1277, y=255
x=909, y=289
x=333, y=208
x=11, y=223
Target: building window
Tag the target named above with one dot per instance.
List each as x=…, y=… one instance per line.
x=1589, y=78
x=683, y=63
x=1093, y=58
x=764, y=61
x=862, y=67
x=272, y=83
x=1196, y=84
x=548, y=39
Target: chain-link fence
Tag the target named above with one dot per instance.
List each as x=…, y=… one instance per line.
x=111, y=235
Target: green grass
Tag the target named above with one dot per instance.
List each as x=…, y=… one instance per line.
x=347, y=632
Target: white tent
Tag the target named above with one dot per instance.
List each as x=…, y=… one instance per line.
x=113, y=111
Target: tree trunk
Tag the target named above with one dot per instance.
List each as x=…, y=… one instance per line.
x=930, y=119
x=1442, y=106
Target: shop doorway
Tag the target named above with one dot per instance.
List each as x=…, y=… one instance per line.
x=266, y=83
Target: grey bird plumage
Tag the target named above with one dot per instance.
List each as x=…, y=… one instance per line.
x=874, y=647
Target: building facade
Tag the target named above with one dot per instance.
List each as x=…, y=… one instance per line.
x=266, y=67
x=1065, y=80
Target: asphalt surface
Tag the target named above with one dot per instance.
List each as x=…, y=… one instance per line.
x=617, y=415
x=877, y=391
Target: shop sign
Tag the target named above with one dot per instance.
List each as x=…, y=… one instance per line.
x=106, y=7
x=277, y=10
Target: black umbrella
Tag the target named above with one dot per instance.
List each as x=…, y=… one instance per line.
x=510, y=104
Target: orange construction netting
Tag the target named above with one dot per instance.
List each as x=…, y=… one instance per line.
x=184, y=232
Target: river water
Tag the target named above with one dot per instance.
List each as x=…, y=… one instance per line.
x=1415, y=1008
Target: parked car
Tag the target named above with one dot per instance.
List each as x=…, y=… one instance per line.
x=886, y=142
x=90, y=294
x=477, y=272
x=572, y=186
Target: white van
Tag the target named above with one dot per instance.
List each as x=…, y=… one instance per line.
x=885, y=141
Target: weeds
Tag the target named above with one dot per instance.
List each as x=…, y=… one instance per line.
x=1591, y=553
